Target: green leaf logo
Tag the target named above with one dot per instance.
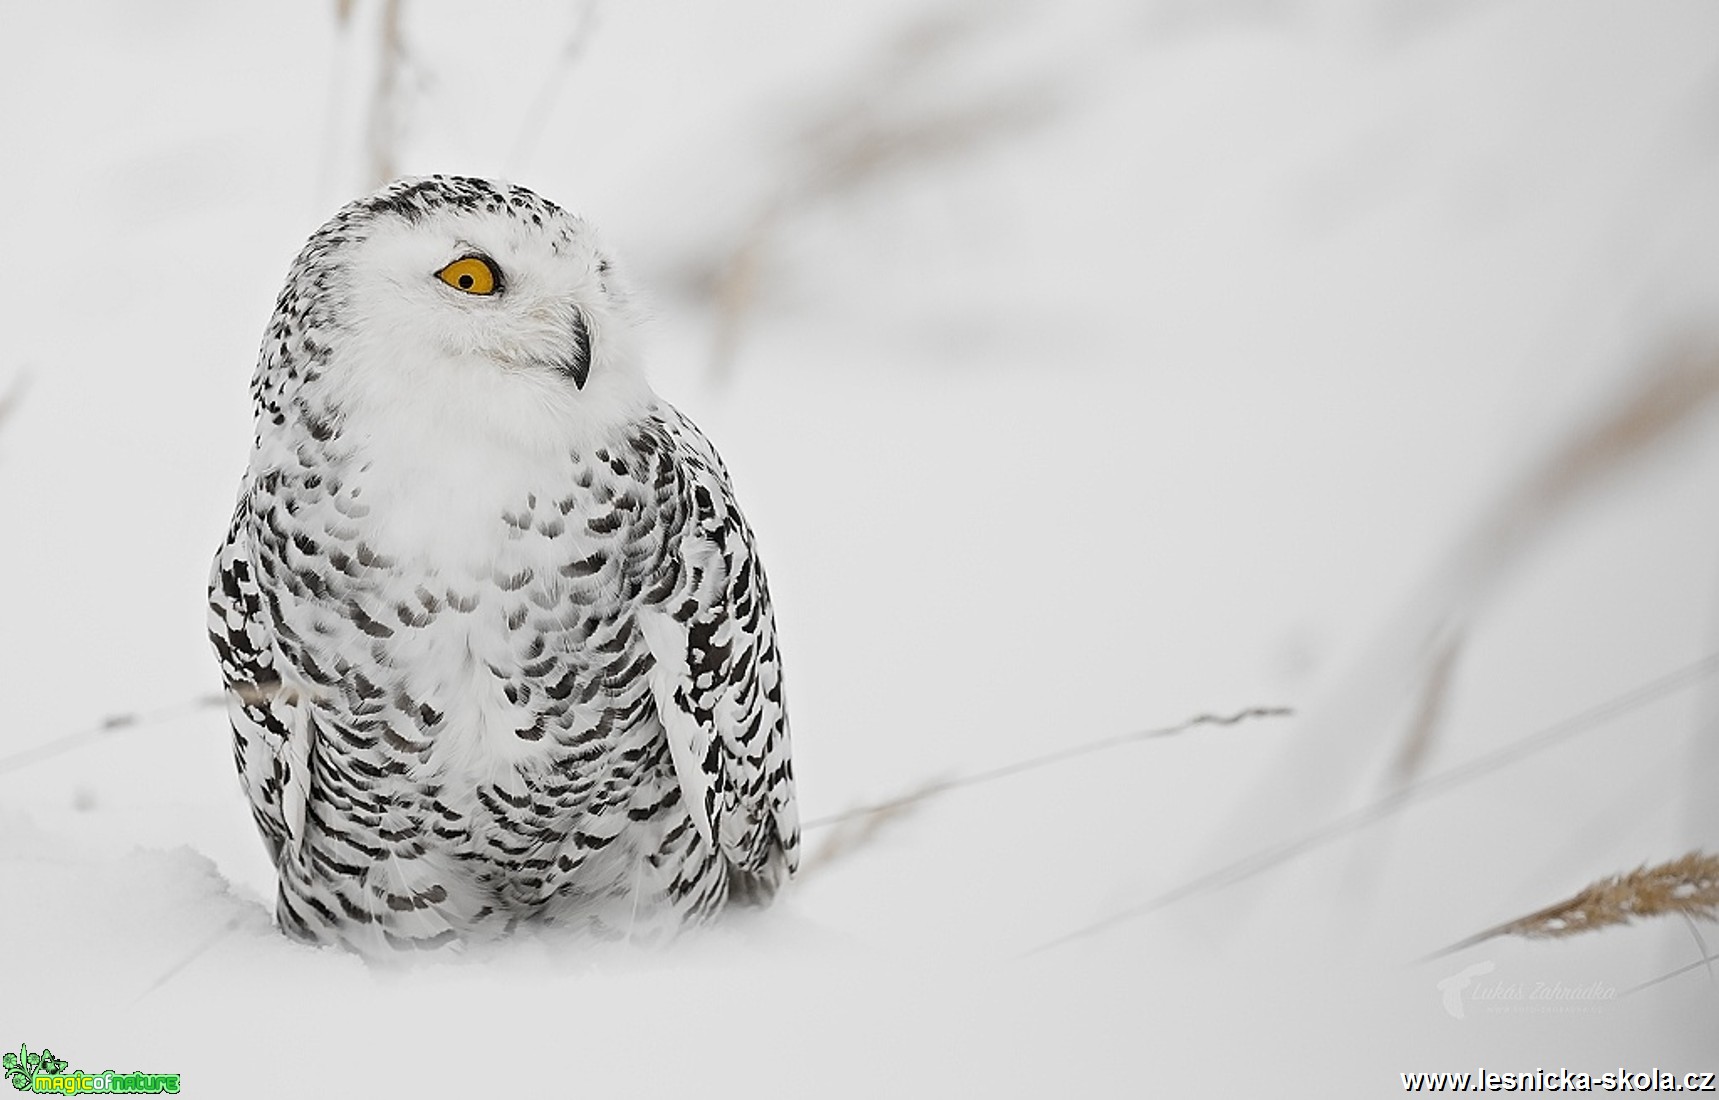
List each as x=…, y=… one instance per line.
x=18, y=1068
x=21, y=1068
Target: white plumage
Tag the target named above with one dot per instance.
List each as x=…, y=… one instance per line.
x=497, y=644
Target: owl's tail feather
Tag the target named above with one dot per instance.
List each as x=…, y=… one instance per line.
x=757, y=888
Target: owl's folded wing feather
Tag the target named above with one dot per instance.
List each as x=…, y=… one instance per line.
x=271, y=734
x=717, y=683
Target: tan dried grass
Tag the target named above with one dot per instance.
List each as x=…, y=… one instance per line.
x=863, y=129
x=1665, y=397
x=11, y=398
x=1684, y=887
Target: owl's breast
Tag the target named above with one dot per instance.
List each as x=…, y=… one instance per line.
x=481, y=618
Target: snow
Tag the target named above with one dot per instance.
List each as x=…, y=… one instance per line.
x=1176, y=384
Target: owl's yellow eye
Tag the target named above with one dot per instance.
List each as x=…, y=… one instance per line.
x=473, y=274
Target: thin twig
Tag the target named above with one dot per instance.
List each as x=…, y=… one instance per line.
x=384, y=121
x=227, y=928
x=938, y=787
x=1274, y=856
x=859, y=826
x=736, y=287
x=1701, y=948
x=66, y=742
x=1705, y=961
x=12, y=397
x=861, y=829
x=1665, y=397
x=866, y=128
x=543, y=103
x=1431, y=707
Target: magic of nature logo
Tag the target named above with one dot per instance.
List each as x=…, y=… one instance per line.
x=44, y=1071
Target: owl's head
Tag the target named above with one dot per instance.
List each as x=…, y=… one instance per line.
x=456, y=305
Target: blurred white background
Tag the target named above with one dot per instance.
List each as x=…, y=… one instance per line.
x=1081, y=367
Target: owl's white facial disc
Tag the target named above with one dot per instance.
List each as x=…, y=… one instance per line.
x=444, y=405
x=544, y=356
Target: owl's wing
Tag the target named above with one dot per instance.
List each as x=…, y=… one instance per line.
x=717, y=680
x=271, y=723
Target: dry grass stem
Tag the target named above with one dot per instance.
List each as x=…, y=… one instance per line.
x=1701, y=948
x=227, y=928
x=1667, y=396
x=11, y=398
x=844, y=154
x=543, y=103
x=382, y=131
x=1704, y=963
x=1276, y=854
x=859, y=828
x=735, y=290
x=927, y=790
x=1430, y=708
x=112, y=723
x=1687, y=886
x=869, y=128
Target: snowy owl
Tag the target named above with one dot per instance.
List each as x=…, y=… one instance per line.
x=497, y=646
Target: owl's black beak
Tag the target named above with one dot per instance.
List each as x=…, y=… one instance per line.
x=576, y=364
